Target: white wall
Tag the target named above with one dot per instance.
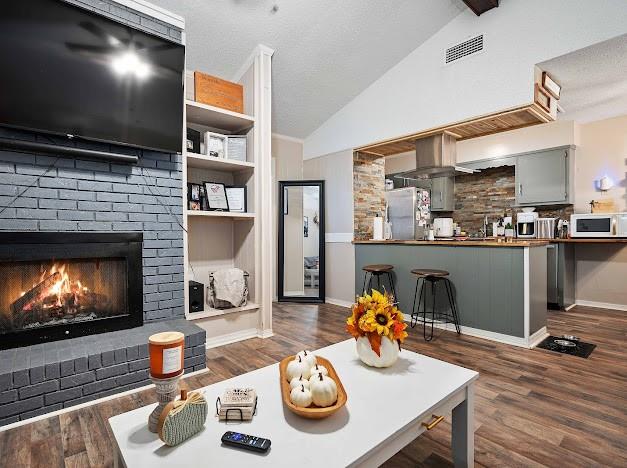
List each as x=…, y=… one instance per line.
x=287, y=164
x=420, y=92
x=337, y=172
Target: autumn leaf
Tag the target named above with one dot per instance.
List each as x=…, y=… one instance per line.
x=375, y=342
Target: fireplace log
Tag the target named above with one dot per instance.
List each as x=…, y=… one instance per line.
x=18, y=306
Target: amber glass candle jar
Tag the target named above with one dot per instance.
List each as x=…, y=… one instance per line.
x=166, y=354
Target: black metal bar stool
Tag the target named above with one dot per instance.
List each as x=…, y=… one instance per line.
x=433, y=277
x=378, y=271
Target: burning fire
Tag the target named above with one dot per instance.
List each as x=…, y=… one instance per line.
x=55, y=289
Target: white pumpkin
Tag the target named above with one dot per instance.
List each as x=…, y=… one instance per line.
x=389, y=352
x=296, y=368
x=323, y=391
x=319, y=369
x=301, y=396
x=307, y=356
x=298, y=381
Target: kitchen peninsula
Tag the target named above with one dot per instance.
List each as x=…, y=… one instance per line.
x=500, y=288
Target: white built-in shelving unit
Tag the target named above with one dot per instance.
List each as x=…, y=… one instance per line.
x=217, y=239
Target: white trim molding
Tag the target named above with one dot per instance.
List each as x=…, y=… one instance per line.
x=338, y=237
x=338, y=302
x=260, y=49
x=90, y=403
x=601, y=305
x=229, y=338
x=155, y=11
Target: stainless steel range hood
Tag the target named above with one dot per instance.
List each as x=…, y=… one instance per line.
x=436, y=156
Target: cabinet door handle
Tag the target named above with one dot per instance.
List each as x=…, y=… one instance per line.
x=441, y=199
x=520, y=189
x=434, y=422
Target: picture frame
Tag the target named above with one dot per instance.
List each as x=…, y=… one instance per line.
x=237, y=198
x=236, y=147
x=543, y=98
x=194, y=205
x=215, y=145
x=216, y=196
x=553, y=88
x=193, y=141
x=194, y=192
x=203, y=198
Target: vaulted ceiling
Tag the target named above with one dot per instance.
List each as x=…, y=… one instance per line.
x=327, y=51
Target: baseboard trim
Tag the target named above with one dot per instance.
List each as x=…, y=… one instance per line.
x=493, y=336
x=265, y=333
x=231, y=338
x=338, y=302
x=90, y=403
x=601, y=305
x=537, y=337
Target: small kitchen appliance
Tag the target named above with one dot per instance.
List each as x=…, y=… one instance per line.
x=526, y=225
x=443, y=227
x=545, y=228
x=598, y=225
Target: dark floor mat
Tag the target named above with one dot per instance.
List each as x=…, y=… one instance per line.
x=580, y=350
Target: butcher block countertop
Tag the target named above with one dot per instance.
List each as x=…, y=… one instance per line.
x=495, y=243
x=459, y=243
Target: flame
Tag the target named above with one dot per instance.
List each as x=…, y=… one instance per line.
x=62, y=290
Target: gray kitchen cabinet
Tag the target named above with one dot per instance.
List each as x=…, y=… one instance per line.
x=443, y=194
x=545, y=177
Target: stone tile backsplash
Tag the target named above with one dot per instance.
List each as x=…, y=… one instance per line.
x=368, y=192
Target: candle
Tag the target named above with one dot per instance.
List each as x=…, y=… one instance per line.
x=166, y=354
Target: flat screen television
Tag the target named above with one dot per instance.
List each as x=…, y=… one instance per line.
x=65, y=70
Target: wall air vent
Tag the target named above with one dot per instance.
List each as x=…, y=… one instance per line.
x=463, y=49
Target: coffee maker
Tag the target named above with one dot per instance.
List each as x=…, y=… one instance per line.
x=526, y=225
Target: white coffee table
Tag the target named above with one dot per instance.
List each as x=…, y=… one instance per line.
x=385, y=411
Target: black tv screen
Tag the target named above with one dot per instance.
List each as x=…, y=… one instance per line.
x=65, y=70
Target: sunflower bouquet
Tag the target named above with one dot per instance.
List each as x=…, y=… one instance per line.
x=376, y=317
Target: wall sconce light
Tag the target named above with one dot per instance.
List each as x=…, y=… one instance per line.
x=605, y=183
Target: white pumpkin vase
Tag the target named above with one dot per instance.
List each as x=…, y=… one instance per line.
x=389, y=352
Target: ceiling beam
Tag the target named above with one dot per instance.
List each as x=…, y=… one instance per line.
x=481, y=6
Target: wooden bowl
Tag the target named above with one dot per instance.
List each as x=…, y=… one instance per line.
x=313, y=411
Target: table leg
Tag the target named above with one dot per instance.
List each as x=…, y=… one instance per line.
x=463, y=430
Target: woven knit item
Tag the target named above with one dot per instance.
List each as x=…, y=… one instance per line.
x=182, y=419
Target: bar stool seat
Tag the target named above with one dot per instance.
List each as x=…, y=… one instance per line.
x=378, y=270
x=422, y=272
x=432, y=276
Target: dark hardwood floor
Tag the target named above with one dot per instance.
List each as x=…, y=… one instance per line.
x=533, y=407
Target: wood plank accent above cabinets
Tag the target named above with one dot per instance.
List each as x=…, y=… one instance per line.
x=511, y=119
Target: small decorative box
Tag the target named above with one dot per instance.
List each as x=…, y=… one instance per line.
x=183, y=418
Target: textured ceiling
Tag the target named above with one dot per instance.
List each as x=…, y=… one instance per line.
x=326, y=51
x=593, y=79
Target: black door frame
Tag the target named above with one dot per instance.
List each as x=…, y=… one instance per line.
x=283, y=184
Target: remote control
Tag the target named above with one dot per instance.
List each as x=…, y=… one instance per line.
x=248, y=442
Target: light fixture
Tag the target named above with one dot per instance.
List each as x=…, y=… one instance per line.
x=130, y=63
x=605, y=183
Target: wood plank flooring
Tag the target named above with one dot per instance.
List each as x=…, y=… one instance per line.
x=533, y=407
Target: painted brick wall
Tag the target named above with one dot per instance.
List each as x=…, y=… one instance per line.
x=368, y=192
x=81, y=195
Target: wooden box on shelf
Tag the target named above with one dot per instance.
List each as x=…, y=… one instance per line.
x=312, y=412
x=217, y=92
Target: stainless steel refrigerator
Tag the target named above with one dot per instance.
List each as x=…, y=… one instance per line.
x=408, y=212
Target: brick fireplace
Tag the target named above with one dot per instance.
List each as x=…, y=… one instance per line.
x=69, y=199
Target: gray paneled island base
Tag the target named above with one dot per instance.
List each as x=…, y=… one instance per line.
x=500, y=289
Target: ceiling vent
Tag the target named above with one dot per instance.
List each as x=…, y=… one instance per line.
x=470, y=46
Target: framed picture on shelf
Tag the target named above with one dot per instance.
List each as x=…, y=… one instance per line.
x=216, y=196
x=203, y=198
x=236, y=147
x=194, y=192
x=193, y=140
x=194, y=205
x=237, y=199
x=215, y=145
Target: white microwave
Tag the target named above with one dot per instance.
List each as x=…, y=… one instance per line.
x=598, y=225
